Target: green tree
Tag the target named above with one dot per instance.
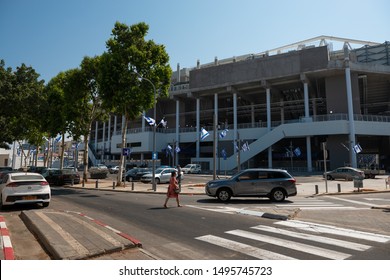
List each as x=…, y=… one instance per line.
x=83, y=90
x=21, y=106
x=128, y=56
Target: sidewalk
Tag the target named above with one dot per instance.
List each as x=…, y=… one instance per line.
x=71, y=235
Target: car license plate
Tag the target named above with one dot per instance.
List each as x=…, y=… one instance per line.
x=29, y=197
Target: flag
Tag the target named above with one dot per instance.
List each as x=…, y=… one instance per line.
x=168, y=150
x=45, y=138
x=163, y=122
x=58, y=138
x=203, y=133
x=297, y=152
x=236, y=146
x=177, y=149
x=222, y=134
x=224, y=154
x=357, y=148
x=245, y=147
x=150, y=120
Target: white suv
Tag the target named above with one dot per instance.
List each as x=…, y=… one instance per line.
x=191, y=168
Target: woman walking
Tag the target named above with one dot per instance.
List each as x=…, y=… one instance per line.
x=173, y=190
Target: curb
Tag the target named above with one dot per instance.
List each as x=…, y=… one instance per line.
x=6, y=244
x=133, y=240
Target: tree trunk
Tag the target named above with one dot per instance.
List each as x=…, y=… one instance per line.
x=62, y=151
x=85, y=155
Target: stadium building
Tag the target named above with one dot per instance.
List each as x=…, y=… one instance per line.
x=296, y=107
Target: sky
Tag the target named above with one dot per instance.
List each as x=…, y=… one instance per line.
x=54, y=35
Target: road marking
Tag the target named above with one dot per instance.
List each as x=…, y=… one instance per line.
x=353, y=201
x=243, y=248
x=379, y=199
x=321, y=239
x=335, y=230
x=322, y=252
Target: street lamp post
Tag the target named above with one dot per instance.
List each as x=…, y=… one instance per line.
x=154, y=133
x=154, y=127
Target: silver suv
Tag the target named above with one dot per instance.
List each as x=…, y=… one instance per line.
x=275, y=184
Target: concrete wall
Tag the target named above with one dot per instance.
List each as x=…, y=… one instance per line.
x=283, y=65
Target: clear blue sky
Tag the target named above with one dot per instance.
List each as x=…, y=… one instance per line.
x=55, y=35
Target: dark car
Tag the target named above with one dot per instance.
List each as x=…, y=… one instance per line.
x=36, y=169
x=275, y=184
x=135, y=174
x=60, y=177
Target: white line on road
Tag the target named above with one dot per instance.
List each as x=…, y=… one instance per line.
x=243, y=248
x=316, y=238
x=352, y=201
x=335, y=230
x=322, y=252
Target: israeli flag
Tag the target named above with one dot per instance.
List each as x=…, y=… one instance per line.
x=177, y=149
x=168, y=150
x=58, y=138
x=297, y=152
x=45, y=138
x=245, y=147
x=203, y=133
x=224, y=154
x=357, y=148
x=150, y=120
x=163, y=122
x=222, y=134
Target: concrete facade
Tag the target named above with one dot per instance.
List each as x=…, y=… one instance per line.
x=275, y=103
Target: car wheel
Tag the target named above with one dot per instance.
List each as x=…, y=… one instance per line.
x=224, y=195
x=278, y=195
x=329, y=177
x=45, y=204
x=157, y=180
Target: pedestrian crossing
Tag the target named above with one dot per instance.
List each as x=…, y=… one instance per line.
x=303, y=240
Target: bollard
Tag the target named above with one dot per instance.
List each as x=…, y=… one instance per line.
x=338, y=187
x=132, y=185
x=113, y=185
x=83, y=183
x=316, y=187
x=97, y=184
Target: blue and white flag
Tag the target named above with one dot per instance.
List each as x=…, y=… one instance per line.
x=45, y=138
x=150, y=120
x=236, y=146
x=163, y=122
x=245, y=147
x=177, y=149
x=222, y=134
x=297, y=152
x=58, y=138
x=224, y=154
x=357, y=148
x=168, y=150
x=203, y=133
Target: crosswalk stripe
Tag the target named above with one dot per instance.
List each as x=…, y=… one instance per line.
x=321, y=239
x=307, y=226
x=243, y=248
x=326, y=253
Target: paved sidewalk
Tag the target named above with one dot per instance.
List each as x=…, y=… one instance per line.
x=71, y=235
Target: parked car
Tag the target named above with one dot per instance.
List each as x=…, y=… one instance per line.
x=24, y=187
x=162, y=175
x=135, y=174
x=275, y=184
x=5, y=168
x=36, y=169
x=4, y=172
x=113, y=169
x=60, y=177
x=192, y=168
x=346, y=173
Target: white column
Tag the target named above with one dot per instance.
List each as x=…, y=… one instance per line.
x=109, y=134
x=350, y=116
x=143, y=122
x=103, y=141
x=197, y=129
x=177, y=129
x=96, y=136
x=268, y=96
x=307, y=117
